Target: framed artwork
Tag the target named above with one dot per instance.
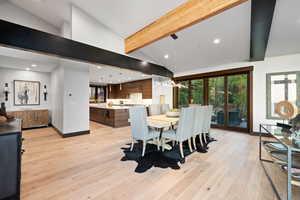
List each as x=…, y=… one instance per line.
x=26, y=93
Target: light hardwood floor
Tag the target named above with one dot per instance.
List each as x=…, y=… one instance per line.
x=89, y=167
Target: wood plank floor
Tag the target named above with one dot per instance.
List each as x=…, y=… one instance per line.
x=89, y=167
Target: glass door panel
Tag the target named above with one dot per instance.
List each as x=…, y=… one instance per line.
x=237, y=101
x=183, y=95
x=216, y=98
x=197, y=91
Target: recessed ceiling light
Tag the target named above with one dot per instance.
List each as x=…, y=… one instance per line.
x=217, y=41
x=144, y=63
x=99, y=67
x=33, y=65
x=166, y=56
x=27, y=69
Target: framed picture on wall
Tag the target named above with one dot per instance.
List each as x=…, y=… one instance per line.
x=26, y=93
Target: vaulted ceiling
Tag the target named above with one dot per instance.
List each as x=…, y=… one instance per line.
x=195, y=47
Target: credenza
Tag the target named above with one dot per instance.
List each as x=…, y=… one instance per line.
x=32, y=118
x=10, y=160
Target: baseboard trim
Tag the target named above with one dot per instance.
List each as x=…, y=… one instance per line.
x=72, y=134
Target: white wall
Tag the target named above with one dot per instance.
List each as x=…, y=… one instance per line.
x=76, y=97
x=88, y=30
x=14, y=14
x=57, y=85
x=270, y=65
x=9, y=75
x=159, y=87
x=70, y=83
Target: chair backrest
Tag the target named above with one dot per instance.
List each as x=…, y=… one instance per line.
x=185, y=124
x=208, y=115
x=154, y=109
x=199, y=119
x=138, y=122
x=164, y=108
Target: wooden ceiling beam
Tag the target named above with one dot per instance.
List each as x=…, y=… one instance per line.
x=187, y=14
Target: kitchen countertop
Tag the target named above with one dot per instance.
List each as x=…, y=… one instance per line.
x=107, y=107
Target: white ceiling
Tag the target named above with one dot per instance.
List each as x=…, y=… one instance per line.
x=285, y=30
x=113, y=75
x=20, y=60
x=194, y=49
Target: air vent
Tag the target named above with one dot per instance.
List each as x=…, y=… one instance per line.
x=174, y=36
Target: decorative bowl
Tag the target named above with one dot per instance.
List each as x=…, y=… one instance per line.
x=172, y=114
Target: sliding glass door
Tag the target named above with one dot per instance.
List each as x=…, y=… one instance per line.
x=216, y=98
x=237, y=101
x=229, y=94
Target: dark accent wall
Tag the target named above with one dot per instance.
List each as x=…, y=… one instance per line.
x=143, y=86
x=21, y=37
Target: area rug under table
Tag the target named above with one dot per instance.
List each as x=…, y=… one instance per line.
x=155, y=158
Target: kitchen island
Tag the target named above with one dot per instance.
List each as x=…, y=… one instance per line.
x=115, y=116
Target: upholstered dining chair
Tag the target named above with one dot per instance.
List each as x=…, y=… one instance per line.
x=139, y=127
x=184, y=131
x=164, y=108
x=154, y=109
x=207, y=121
x=199, y=115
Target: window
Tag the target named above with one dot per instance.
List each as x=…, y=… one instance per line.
x=283, y=86
x=197, y=91
x=183, y=94
x=228, y=91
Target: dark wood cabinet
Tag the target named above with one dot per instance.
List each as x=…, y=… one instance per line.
x=10, y=160
x=116, y=91
x=110, y=117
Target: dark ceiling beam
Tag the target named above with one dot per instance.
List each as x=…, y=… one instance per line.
x=28, y=39
x=261, y=21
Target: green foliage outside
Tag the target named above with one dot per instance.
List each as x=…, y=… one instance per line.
x=237, y=93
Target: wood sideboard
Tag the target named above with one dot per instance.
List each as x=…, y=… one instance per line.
x=32, y=118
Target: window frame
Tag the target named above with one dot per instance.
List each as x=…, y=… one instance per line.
x=269, y=95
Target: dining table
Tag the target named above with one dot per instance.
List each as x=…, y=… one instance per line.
x=162, y=122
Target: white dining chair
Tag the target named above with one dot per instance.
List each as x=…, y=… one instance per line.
x=164, y=108
x=207, y=122
x=139, y=127
x=199, y=115
x=184, y=131
x=154, y=109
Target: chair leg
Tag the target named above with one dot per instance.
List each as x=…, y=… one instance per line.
x=194, y=142
x=163, y=144
x=132, y=145
x=173, y=143
x=200, y=138
x=181, y=149
x=158, y=143
x=190, y=145
x=144, y=147
x=204, y=137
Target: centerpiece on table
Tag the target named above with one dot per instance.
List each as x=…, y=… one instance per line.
x=173, y=113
